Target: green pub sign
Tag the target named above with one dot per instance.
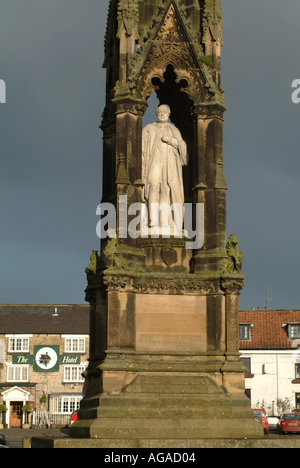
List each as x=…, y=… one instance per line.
x=46, y=359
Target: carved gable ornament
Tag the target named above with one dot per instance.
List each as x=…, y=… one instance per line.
x=172, y=45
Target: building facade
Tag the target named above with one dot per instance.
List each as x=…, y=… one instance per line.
x=270, y=347
x=43, y=353
x=44, y=350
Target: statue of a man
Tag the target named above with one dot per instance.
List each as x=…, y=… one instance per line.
x=164, y=154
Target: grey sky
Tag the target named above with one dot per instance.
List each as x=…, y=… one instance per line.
x=51, y=147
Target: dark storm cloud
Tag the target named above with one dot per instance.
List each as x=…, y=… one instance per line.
x=51, y=61
x=51, y=147
x=261, y=144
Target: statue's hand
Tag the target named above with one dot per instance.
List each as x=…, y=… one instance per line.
x=167, y=139
x=170, y=141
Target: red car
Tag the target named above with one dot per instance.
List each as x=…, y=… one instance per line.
x=289, y=422
x=260, y=416
x=73, y=418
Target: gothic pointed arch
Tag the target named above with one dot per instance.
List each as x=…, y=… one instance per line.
x=172, y=46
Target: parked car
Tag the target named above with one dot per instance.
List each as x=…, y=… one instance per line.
x=273, y=422
x=261, y=417
x=289, y=422
x=73, y=418
x=2, y=439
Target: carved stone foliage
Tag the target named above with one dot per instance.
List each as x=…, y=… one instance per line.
x=232, y=285
x=206, y=111
x=159, y=285
x=115, y=282
x=172, y=286
x=133, y=107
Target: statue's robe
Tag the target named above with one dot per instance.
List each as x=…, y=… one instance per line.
x=162, y=162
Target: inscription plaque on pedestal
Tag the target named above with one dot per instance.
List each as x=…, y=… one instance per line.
x=170, y=323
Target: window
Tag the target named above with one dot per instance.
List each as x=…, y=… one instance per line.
x=244, y=332
x=291, y=417
x=17, y=373
x=73, y=373
x=247, y=363
x=19, y=345
x=75, y=345
x=56, y=405
x=2, y=352
x=293, y=331
x=297, y=371
x=72, y=405
x=248, y=393
x=298, y=400
x=66, y=404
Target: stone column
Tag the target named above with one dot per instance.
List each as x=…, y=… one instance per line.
x=233, y=370
x=211, y=187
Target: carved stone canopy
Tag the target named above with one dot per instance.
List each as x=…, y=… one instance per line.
x=172, y=47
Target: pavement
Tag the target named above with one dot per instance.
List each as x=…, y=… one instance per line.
x=14, y=437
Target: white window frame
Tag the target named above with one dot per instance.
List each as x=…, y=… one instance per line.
x=66, y=404
x=247, y=326
x=75, y=344
x=13, y=368
x=73, y=371
x=24, y=342
x=291, y=332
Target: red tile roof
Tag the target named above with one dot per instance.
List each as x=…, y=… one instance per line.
x=267, y=331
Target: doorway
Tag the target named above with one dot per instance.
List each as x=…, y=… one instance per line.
x=16, y=414
x=15, y=398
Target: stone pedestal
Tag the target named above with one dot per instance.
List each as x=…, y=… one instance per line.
x=170, y=368
x=164, y=405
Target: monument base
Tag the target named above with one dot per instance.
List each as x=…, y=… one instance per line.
x=265, y=443
x=170, y=368
x=163, y=406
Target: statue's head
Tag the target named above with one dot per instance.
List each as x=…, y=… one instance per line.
x=163, y=113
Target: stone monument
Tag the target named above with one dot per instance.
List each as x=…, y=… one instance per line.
x=164, y=357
